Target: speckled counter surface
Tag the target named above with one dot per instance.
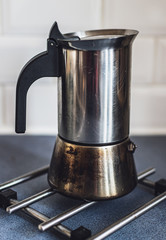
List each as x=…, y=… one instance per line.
x=21, y=154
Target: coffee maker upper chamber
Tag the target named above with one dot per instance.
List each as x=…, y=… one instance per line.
x=93, y=156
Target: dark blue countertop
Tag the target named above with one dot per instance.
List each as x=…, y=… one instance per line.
x=21, y=154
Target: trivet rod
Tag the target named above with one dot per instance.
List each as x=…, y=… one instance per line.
x=41, y=217
x=24, y=178
x=145, y=173
x=129, y=218
x=148, y=183
x=63, y=216
x=32, y=199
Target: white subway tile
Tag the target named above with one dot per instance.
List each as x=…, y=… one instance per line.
x=41, y=108
x=148, y=114
x=15, y=52
x=143, y=60
x=149, y=17
x=160, y=62
x=1, y=13
x=9, y=107
x=37, y=17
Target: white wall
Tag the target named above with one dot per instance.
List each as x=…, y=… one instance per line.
x=24, y=28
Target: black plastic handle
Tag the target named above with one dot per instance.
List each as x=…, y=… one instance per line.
x=45, y=64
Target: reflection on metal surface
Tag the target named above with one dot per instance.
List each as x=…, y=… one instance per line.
x=65, y=215
x=94, y=89
x=94, y=94
x=30, y=200
x=127, y=219
x=41, y=217
x=92, y=172
x=146, y=173
x=24, y=178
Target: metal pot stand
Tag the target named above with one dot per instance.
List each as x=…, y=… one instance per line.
x=8, y=201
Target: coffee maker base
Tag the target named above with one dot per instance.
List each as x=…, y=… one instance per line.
x=93, y=172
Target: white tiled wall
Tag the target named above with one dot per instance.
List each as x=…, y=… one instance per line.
x=24, y=28
x=148, y=113
x=161, y=60
x=15, y=51
x=148, y=16
x=36, y=16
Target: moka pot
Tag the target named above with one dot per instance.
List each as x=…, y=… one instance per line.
x=93, y=155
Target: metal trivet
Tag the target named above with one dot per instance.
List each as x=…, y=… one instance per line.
x=8, y=201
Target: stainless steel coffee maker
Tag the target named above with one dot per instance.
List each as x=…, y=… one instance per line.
x=93, y=155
